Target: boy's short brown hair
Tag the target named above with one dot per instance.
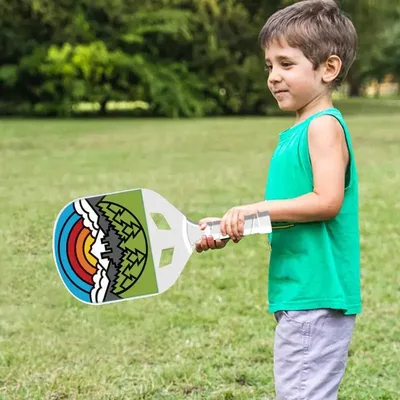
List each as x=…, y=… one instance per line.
x=318, y=28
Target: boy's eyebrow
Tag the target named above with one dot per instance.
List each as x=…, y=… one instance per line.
x=279, y=58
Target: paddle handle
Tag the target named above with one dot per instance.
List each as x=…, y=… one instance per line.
x=256, y=223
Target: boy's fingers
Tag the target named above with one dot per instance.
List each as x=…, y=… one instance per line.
x=220, y=244
x=240, y=225
x=204, y=244
x=231, y=225
x=224, y=224
x=199, y=247
x=207, y=243
x=234, y=227
x=227, y=230
x=211, y=242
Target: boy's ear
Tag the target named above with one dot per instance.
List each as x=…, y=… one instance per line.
x=331, y=69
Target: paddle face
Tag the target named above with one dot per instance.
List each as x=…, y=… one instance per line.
x=107, y=248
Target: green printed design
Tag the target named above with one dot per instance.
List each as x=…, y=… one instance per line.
x=135, y=271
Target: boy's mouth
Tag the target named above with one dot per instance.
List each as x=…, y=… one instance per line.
x=280, y=94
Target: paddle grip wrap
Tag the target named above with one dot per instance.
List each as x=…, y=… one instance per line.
x=256, y=223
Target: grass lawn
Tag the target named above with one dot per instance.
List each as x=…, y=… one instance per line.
x=209, y=336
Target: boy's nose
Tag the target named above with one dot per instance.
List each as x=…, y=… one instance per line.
x=274, y=77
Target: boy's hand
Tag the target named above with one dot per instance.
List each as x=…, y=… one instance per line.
x=208, y=242
x=232, y=223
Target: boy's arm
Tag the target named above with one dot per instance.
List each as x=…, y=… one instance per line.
x=329, y=157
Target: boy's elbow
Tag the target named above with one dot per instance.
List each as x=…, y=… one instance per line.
x=331, y=208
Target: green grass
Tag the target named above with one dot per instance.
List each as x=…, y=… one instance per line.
x=209, y=336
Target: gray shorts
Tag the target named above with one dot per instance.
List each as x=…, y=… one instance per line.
x=310, y=353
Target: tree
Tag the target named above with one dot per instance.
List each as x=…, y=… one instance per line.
x=385, y=60
x=369, y=18
x=72, y=51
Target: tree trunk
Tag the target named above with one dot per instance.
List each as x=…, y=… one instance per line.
x=354, y=80
x=354, y=88
x=378, y=90
x=103, y=105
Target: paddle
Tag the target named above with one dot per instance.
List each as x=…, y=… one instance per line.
x=108, y=248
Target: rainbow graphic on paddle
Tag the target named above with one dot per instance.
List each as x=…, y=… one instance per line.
x=79, y=243
x=102, y=249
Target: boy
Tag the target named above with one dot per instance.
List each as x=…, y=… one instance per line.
x=312, y=198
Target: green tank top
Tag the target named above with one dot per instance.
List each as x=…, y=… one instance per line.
x=317, y=264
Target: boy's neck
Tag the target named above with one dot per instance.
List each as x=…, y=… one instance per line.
x=317, y=104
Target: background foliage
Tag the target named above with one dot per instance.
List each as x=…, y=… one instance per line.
x=173, y=57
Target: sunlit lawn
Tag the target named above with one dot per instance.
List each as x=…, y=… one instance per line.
x=209, y=336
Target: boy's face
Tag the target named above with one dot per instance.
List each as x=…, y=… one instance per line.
x=292, y=79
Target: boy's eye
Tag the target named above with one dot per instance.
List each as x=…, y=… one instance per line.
x=286, y=64
x=268, y=68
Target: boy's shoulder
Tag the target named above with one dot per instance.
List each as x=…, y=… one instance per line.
x=328, y=119
x=326, y=123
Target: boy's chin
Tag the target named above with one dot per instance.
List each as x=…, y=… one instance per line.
x=286, y=107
